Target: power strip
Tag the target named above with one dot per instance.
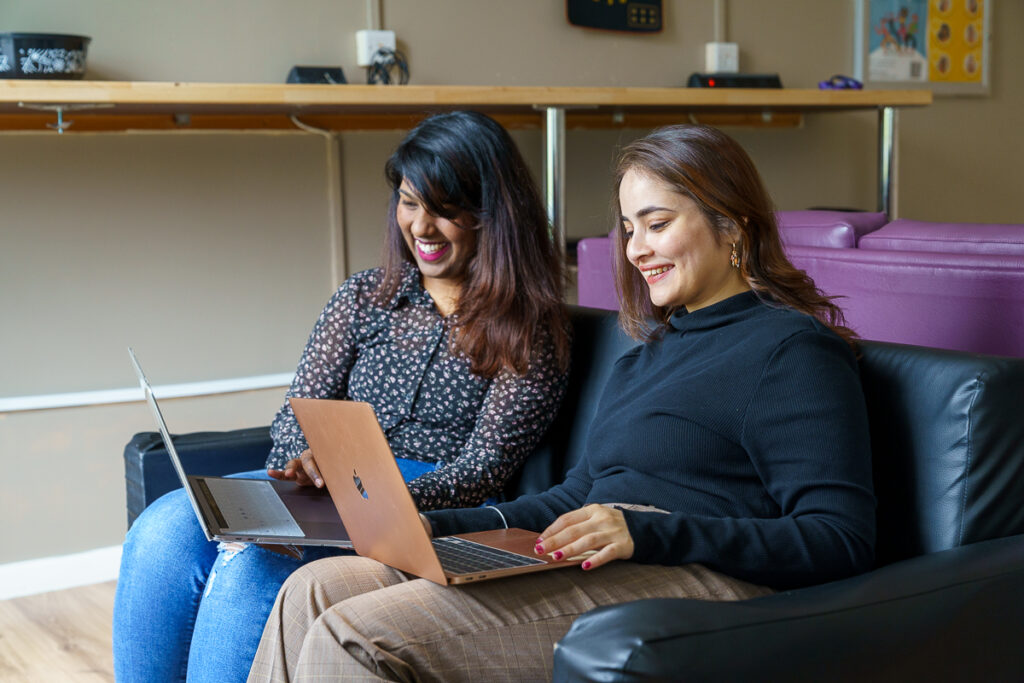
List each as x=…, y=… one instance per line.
x=368, y=42
x=730, y=80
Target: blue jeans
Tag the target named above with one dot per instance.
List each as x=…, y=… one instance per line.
x=188, y=607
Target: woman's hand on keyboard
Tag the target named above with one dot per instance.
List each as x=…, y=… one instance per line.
x=302, y=470
x=596, y=529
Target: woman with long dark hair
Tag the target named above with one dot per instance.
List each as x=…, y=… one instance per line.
x=739, y=211
x=728, y=457
x=459, y=342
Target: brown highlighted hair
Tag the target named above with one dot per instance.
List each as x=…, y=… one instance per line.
x=712, y=169
x=461, y=163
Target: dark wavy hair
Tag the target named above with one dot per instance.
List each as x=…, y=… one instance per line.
x=712, y=169
x=462, y=163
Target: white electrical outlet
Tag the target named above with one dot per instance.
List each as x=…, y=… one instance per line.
x=721, y=57
x=368, y=42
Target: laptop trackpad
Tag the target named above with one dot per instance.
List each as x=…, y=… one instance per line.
x=252, y=507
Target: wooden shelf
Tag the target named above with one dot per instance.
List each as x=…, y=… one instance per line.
x=119, y=106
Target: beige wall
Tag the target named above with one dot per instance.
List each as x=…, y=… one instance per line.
x=229, y=233
x=64, y=489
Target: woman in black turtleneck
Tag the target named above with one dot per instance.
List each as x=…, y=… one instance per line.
x=729, y=455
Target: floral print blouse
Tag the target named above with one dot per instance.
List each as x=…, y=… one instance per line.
x=397, y=358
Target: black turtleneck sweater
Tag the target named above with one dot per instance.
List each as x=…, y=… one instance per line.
x=747, y=423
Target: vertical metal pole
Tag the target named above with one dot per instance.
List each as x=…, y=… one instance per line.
x=554, y=171
x=887, y=161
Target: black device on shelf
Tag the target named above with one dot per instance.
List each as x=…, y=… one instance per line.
x=731, y=80
x=329, y=75
x=635, y=16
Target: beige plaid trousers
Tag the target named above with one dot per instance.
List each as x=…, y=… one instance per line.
x=352, y=618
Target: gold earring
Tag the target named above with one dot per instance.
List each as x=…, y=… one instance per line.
x=734, y=257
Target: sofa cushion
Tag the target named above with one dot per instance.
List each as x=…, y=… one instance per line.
x=946, y=439
x=961, y=238
x=836, y=229
x=967, y=302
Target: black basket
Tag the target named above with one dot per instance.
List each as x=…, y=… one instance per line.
x=42, y=55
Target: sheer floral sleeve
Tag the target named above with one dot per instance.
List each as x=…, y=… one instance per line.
x=515, y=413
x=396, y=355
x=322, y=372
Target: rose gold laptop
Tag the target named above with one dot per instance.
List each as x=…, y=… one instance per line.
x=381, y=518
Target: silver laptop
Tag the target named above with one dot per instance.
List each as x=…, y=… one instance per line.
x=252, y=510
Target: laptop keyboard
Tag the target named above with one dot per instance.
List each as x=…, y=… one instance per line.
x=459, y=556
x=249, y=507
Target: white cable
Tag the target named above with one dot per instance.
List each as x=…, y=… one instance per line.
x=503, y=520
x=373, y=15
x=720, y=19
x=308, y=128
x=335, y=199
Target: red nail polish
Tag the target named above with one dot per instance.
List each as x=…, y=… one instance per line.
x=538, y=549
x=558, y=555
x=586, y=565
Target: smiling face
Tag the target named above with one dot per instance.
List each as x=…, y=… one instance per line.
x=441, y=247
x=674, y=246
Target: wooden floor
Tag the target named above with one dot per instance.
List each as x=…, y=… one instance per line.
x=58, y=636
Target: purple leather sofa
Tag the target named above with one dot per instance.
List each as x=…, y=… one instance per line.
x=946, y=285
x=831, y=229
x=835, y=229
x=595, y=284
x=951, y=238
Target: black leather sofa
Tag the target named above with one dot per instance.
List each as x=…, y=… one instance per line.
x=945, y=603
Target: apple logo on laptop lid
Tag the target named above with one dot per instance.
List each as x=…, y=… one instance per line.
x=359, y=485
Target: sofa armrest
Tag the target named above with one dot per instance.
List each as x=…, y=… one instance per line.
x=149, y=474
x=955, y=615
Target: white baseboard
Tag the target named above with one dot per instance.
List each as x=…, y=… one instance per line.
x=57, y=573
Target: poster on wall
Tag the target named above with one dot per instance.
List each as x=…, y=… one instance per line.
x=938, y=44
